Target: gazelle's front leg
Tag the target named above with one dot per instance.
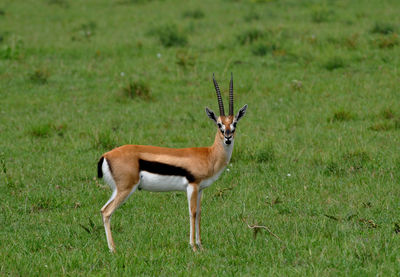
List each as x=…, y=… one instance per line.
x=192, y=195
x=198, y=214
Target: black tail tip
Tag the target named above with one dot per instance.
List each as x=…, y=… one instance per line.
x=99, y=170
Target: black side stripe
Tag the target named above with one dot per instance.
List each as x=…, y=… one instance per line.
x=165, y=169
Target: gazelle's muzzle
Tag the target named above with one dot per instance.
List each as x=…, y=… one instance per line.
x=228, y=140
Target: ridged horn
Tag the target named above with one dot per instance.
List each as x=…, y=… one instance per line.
x=220, y=103
x=231, y=95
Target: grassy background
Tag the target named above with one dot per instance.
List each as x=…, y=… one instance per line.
x=316, y=158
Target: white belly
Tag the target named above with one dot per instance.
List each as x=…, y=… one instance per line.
x=156, y=182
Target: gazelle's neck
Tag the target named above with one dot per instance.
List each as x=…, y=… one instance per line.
x=221, y=152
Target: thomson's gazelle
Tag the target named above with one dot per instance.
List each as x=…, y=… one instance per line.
x=152, y=168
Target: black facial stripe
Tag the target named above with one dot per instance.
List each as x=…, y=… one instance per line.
x=165, y=169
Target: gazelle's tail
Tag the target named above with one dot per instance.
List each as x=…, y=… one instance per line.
x=99, y=166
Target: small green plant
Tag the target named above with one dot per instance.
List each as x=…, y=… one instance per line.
x=170, y=35
x=250, y=36
x=185, y=59
x=195, y=14
x=39, y=76
x=61, y=3
x=356, y=160
x=396, y=228
x=43, y=203
x=137, y=89
x=3, y=164
x=351, y=42
x=384, y=28
x=251, y=16
x=389, y=41
x=321, y=14
x=262, y=1
x=41, y=130
x=296, y=85
x=132, y=2
x=260, y=49
x=135, y=1
x=3, y=172
x=60, y=129
x=333, y=168
x=104, y=140
x=383, y=126
x=84, y=31
x=334, y=63
x=397, y=123
x=12, y=50
x=388, y=113
x=91, y=228
x=266, y=153
x=44, y=130
x=341, y=115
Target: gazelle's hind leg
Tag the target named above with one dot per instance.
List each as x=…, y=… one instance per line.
x=192, y=194
x=117, y=198
x=122, y=189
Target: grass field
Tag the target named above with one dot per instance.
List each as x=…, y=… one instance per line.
x=316, y=158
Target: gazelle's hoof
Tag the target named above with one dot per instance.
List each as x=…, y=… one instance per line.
x=200, y=247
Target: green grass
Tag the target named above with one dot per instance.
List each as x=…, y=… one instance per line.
x=316, y=158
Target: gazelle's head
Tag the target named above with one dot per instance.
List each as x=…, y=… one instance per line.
x=226, y=124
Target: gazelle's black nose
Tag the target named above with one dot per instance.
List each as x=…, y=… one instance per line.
x=228, y=140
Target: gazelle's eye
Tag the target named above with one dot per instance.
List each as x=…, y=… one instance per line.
x=234, y=124
x=219, y=125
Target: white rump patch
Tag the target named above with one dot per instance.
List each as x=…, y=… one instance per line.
x=156, y=182
x=108, y=178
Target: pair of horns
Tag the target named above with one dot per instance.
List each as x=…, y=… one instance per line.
x=220, y=103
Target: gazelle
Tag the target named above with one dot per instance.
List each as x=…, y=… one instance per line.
x=131, y=167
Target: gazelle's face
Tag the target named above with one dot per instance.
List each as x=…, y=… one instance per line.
x=227, y=124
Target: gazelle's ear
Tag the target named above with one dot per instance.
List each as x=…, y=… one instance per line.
x=241, y=113
x=211, y=114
